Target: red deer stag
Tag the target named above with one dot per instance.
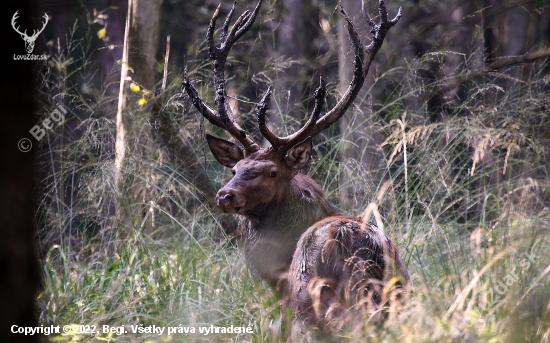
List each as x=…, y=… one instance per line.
x=295, y=239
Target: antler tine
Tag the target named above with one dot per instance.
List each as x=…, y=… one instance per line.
x=246, y=26
x=366, y=15
x=379, y=32
x=210, y=114
x=382, y=11
x=197, y=101
x=212, y=49
x=225, y=27
x=231, y=39
x=261, y=111
x=283, y=144
x=242, y=25
x=314, y=126
x=224, y=117
x=356, y=83
x=361, y=63
x=397, y=17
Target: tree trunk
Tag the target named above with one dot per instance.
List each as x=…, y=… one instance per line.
x=138, y=66
x=115, y=34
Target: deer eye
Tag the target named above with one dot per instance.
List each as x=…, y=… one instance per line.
x=272, y=174
x=233, y=172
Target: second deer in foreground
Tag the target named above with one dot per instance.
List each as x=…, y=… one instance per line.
x=321, y=262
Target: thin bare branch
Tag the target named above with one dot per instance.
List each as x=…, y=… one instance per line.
x=501, y=63
x=165, y=71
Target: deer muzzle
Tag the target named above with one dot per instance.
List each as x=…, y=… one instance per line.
x=229, y=200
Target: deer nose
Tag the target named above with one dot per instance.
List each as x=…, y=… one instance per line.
x=227, y=198
x=230, y=200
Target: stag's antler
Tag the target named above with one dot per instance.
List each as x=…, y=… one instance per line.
x=224, y=117
x=360, y=70
x=379, y=30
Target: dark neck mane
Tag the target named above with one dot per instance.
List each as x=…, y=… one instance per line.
x=274, y=229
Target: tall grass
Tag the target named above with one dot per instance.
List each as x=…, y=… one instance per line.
x=465, y=198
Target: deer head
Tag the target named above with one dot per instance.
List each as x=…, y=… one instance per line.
x=29, y=40
x=261, y=173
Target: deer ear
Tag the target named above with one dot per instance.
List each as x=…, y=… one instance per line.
x=227, y=153
x=298, y=156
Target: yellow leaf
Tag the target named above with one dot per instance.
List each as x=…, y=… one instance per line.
x=142, y=102
x=102, y=33
x=134, y=87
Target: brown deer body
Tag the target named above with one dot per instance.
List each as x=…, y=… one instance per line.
x=295, y=239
